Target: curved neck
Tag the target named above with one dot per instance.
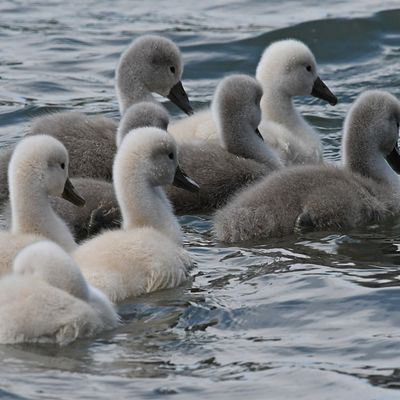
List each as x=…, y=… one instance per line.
x=131, y=93
x=241, y=140
x=277, y=106
x=31, y=213
x=143, y=204
x=361, y=157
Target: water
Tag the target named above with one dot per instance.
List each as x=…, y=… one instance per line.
x=314, y=316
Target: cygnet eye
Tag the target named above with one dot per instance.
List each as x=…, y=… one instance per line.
x=309, y=68
x=172, y=69
x=62, y=165
x=171, y=156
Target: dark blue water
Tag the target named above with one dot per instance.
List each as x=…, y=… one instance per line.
x=313, y=316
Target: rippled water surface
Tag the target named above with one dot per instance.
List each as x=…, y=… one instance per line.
x=313, y=316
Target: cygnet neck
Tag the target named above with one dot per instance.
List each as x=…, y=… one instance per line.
x=143, y=204
x=277, y=106
x=365, y=158
x=133, y=93
x=238, y=138
x=31, y=212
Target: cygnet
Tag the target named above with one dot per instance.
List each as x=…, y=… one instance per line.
x=238, y=158
x=147, y=253
x=47, y=300
x=365, y=189
x=287, y=69
x=38, y=170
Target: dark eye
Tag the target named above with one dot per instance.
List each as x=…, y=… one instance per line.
x=172, y=69
x=171, y=156
x=62, y=166
x=308, y=68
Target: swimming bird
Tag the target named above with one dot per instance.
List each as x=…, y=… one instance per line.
x=364, y=189
x=38, y=169
x=99, y=194
x=238, y=158
x=46, y=299
x=286, y=69
x=147, y=253
x=101, y=201
x=151, y=64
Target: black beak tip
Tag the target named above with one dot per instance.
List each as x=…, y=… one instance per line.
x=71, y=195
x=258, y=133
x=333, y=101
x=180, y=98
x=181, y=180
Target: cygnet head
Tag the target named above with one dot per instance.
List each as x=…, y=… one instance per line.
x=41, y=163
x=150, y=153
x=47, y=261
x=236, y=102
x=289, y=67
x=371, y=133
x=140, y=115
x=151, y=64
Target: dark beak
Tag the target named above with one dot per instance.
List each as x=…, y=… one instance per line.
x=322, y=91
x=182, y=181
x=71, y=195
x=258, y=133
x=179, y=97
x=393, y=159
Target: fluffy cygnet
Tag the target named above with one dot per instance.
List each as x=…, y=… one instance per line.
x=365, y=189
x=99, y=194
x=147, y=254
x=47, y=300
x=151, y=64
x=141, y=115
x=38, y=169
x=238, y=158
x=286, y=69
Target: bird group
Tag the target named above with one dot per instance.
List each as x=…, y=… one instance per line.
x=75, y=247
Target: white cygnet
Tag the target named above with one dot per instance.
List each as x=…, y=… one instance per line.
x=287, y=69
x=365, y=189
x=47, y=300
x=238, y=158
x=38, y=169
x=147, y=254
x=101, y=201
x=99, y=194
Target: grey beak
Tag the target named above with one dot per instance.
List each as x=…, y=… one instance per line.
x=393, y=159
x=179, y=97
x=181, y=180
x=258, y=133
x=70, y=194
x=322, y=91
